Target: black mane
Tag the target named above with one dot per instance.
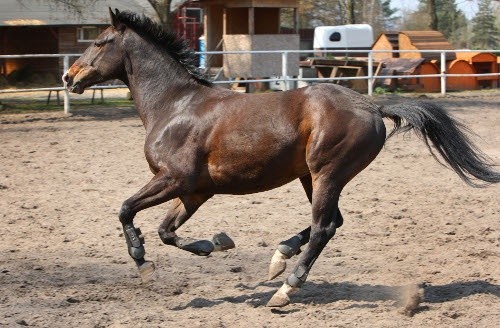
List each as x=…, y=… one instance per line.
x=176, y=47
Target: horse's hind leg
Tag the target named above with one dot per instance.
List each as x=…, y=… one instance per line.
x=290, y=247
x=325, y=221
x=182, y=209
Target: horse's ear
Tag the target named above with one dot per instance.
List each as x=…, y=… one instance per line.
x=112, y=15
x=115, y=21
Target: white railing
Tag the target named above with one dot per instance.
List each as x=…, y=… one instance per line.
x=66, y=94
x=370, y=77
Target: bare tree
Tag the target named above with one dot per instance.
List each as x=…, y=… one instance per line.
x=162, y=9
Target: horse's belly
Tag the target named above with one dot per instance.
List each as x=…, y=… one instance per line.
x=252, y=173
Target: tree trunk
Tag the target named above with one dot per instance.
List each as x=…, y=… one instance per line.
x=351, y=13
x=431, y=4
x=162, y=9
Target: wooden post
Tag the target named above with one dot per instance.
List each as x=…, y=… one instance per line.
x=251, y=20
x=295, y=20
x=224, y=22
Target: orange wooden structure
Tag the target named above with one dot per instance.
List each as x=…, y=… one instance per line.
x=412, y=40
x=457, y=83
x=412, y=63
x=482, y=63
x=386, y=41
x=427, y=84
x=411, y=66
x=424, y=40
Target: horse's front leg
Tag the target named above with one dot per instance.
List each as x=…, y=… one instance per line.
x=159, y=190
x=182, y=209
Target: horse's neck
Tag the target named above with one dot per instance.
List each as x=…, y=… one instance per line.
x=156, y=82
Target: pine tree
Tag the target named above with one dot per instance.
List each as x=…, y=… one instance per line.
x=486, y=33
x=389, y=15
x=452, y=22
x=448, y=19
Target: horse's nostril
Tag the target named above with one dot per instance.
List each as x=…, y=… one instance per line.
x=65, y=77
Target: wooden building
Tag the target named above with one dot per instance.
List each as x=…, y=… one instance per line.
x=187, y=21
x=424, y=40
x=386, y=41
x=233, y=25
x=410, y=66
x=458, y=83
x=412, y=63
x=482, y=62
x=412, y=40
x=52, y=27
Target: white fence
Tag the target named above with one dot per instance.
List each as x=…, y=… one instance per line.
x=370, y=77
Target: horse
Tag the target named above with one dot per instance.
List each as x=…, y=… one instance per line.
x=203, y=140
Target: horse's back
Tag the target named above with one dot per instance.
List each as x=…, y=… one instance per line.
x=265, y=140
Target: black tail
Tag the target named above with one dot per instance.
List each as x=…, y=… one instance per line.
x=448, y=136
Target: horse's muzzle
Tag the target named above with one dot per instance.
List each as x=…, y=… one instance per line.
x=71, y=85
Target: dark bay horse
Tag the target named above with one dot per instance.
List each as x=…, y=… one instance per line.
x=202, y=140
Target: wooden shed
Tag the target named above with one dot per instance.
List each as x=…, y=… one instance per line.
x=424, y=40
x=234, y=25
x=482, y=62
x=52, y=27
x=386, y=41
x=412, y=63
x=411, y=66
x=458, y=83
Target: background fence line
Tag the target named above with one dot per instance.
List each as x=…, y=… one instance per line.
x=370, y=77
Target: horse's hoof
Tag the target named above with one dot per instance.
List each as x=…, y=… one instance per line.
x=222, y=242
x=198, y=247
x=278, y=265
x=281, y=297
x=147, y=270
x=279, y=300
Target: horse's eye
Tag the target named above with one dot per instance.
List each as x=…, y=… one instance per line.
x=97, y=44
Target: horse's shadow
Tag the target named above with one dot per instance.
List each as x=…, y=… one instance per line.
x=326, y=293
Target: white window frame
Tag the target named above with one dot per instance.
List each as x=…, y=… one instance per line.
x=189, y=21
x=80, y=35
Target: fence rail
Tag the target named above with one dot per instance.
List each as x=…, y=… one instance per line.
x=370, y=77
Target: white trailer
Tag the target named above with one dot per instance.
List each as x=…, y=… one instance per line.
x=343, y=37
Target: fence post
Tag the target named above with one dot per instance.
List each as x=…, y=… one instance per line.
x=66, y=92
x=443, y=73
x=370, y=73
x=284, y=73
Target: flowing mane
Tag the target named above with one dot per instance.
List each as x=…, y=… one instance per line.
x=177, y=48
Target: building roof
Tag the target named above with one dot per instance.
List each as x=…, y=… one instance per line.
x=393, y=38
x=57, y=13
x=428, y=40
x=253, y=3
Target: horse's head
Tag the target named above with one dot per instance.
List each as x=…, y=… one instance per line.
x=102, y=61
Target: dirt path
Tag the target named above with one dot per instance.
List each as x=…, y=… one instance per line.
x=408, y=221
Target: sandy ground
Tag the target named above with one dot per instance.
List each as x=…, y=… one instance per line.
x=408, y=222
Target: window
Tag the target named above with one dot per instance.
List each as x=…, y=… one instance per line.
x=87, y=33
x=335, y=37
x=195, y=15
